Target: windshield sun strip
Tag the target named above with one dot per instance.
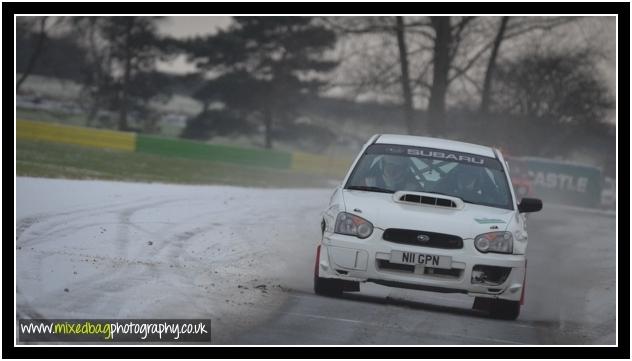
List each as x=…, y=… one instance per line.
x=372, y=150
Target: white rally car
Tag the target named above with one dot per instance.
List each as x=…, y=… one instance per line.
x=427, y=214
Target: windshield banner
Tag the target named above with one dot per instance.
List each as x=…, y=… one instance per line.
x=437, y=154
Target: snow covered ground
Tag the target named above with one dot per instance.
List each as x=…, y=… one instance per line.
x=244, y=257
x=99, y=249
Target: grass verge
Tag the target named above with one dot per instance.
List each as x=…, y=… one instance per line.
x=55, y=160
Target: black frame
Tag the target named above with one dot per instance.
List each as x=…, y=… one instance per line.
x=623, y=349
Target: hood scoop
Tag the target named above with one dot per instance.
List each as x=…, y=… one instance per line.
x=428, y=199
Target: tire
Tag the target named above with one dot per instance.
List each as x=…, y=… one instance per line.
x=331, y=286
x=482, y=304
x=327, y=287
x=505, y=310
x=497, y=308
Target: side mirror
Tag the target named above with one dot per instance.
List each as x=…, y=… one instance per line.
x=528, y=205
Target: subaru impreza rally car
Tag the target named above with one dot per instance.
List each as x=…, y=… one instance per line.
x=428, y=214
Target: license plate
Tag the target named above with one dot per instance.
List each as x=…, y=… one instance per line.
x=427, y=260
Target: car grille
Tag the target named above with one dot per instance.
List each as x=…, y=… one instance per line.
x=453, y=273
x=384, y=264
x=435, y=240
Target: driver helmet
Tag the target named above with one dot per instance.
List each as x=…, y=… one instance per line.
x=466, y=179
x=394, y=168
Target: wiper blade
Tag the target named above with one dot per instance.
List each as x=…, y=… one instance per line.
x=370, y=189
x=443, y=194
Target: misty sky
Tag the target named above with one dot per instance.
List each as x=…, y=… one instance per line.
x=599, y=31
x=185, y=26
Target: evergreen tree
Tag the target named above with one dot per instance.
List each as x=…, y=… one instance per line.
x=267, y=66
x=122, y=53
x=135, y=47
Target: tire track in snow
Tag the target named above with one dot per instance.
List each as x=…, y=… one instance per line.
x=167, y=261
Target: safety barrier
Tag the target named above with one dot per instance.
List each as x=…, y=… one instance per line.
x=172, y=147
x=561, y=182
x=90, y=137
x=319, y=164
x=212, y=152
x=565, y=183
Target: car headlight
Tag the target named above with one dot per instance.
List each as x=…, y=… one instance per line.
x=352, y=225
x=499, y=242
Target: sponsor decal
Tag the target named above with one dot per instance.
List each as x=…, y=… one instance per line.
x=456, y=157
x=436, y=154
x=396, y=150
x=561, y=181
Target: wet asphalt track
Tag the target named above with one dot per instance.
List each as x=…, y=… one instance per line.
x=570, y=299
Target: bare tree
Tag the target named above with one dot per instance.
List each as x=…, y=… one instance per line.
x=41, y=37
x=491, y=65
x=428, y=54
x=385, y=59
x=448, y=41
x=425, y=69
x=519, y=26
x=555, y=87
x=403, y=61
x=441, y=67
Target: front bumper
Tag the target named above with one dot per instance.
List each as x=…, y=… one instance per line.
x=368, y=260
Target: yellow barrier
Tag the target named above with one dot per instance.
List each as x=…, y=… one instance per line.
x=100, y=138
x=320, y=164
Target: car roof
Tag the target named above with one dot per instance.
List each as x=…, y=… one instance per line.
x=436, y=143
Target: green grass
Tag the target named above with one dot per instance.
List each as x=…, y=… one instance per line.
x=54, y=160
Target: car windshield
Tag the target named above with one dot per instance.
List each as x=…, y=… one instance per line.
x=472, y=178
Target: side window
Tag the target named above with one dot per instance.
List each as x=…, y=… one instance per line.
x=499, y=182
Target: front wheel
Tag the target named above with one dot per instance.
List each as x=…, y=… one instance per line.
x=327, y=287
x=505, y=310
x=497, y=308
x=331, y=286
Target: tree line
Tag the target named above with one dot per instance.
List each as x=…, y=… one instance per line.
x=255, y=74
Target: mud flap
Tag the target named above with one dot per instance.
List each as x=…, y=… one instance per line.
x=524, y=283
x=317, y=261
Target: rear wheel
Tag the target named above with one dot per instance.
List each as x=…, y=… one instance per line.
x=497, y=308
